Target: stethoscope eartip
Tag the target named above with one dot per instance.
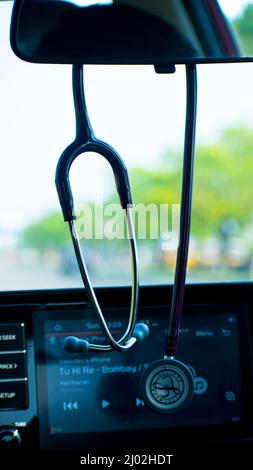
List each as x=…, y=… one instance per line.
x=71, y=344
x=141, y=331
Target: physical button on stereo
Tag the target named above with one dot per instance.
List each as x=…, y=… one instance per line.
x=10, y=438
x=13, y=366
x=12, y=336
x=13, y=394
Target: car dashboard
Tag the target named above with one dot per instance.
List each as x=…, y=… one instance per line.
x=54, y=401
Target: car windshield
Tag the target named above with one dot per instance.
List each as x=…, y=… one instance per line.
x=142, y=115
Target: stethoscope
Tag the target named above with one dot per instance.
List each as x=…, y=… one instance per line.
x=166, y=385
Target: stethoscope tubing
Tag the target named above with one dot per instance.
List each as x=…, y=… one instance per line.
x=185, y=213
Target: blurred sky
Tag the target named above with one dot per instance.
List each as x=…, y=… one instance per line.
x=233, y=8
x=138, y=112
x=230, y=7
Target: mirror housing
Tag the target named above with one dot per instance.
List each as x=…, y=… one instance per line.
x=157, y=32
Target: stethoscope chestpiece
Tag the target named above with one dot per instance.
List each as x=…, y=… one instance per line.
x=167, y=386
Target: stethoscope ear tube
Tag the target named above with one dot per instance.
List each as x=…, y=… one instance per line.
x=64, y=190
x=63, y=169
x=84, y=142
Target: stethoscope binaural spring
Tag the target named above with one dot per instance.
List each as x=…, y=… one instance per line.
x=166, y=385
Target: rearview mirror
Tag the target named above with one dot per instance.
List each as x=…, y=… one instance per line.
x=156, y=32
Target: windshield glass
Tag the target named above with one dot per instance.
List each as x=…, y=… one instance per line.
x=142, y=115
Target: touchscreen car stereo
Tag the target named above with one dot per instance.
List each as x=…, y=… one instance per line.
x=80, y=395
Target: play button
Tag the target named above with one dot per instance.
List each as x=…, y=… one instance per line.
x=105, y=404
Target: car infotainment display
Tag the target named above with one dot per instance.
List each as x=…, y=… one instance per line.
x=99, y=392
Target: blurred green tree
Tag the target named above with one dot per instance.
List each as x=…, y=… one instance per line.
x=223, y=189
x=48, y=232
x=244, y=26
